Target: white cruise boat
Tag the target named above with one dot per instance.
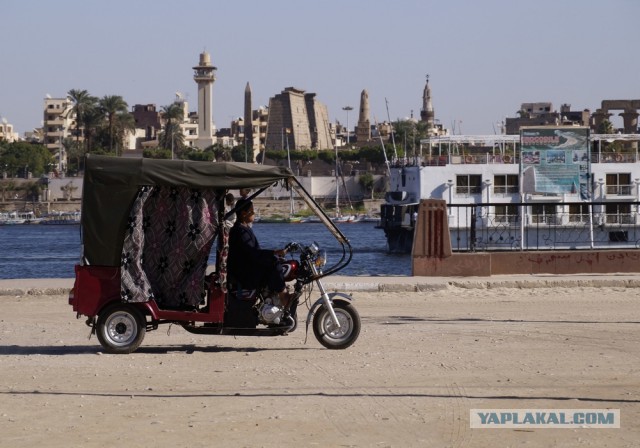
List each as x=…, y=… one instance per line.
x=564, y=189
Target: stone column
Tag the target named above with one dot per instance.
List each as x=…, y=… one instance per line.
x=630, y=124
x=598, y=117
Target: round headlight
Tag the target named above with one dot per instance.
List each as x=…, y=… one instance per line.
x=321, y=259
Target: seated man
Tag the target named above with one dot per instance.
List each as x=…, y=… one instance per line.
x=248, y=264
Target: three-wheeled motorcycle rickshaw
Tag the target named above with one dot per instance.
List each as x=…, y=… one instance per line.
x=147, y=229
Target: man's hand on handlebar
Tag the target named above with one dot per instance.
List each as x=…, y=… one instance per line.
x=280, y=253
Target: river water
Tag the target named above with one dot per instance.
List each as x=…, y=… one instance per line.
x=41, y=251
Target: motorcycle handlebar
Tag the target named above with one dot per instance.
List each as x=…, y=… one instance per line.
x=292, y=247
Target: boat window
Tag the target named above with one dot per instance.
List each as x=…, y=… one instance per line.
x=619, y=236
x=507, y=213
x=468, y=184
x=618, y=213
x=578, y=213
x=505, y=183
x=544, y=214
x=619, y=183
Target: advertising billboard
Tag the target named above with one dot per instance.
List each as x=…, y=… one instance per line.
x=555, y=160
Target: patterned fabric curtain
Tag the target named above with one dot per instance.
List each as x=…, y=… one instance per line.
x=223, y=254
x=166, y=248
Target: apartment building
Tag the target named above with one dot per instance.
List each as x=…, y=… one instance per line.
x=59, y=122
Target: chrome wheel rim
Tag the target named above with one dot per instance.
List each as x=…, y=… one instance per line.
x=334, y=332
x=121, y=328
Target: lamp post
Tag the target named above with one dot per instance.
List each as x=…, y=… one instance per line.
x=487, y=184
x=288, y=153
x=347, y=108
x=450, y=185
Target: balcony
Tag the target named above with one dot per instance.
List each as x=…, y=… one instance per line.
x=619, y=218
x=578, y=218
x=619, y=190
x=55, y=121
x=550, y=220
x=468, y=190
x=613, y=157
x=505, y=189
x=477, y=227
x=506, y=219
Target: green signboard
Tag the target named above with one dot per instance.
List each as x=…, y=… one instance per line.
x=555, y=160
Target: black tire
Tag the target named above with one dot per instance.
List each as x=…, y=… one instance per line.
x=121, y=329
x=337, y=338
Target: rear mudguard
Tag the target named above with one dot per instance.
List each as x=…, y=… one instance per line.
x=333, y=297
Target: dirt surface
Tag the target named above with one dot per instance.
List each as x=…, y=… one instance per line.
x=422, y=362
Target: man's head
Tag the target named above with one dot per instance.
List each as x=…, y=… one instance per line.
x=244, y=210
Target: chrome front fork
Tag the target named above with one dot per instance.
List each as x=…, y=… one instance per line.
x=325, y=298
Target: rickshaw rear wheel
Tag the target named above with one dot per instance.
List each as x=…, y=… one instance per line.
x=121, y=328
x=332, y=337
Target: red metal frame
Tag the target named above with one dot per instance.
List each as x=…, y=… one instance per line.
x=97, y=286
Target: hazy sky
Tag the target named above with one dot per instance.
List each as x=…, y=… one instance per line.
x=484, y=57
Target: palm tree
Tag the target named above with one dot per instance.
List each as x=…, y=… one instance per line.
x=172, y=135
x=93, y=119
x=222, y=153
x=111, y=106
x=125, y=122
x=82, y=102
x=366, y=181
x=606, y=127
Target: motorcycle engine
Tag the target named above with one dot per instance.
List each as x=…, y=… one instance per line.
x=270, y=313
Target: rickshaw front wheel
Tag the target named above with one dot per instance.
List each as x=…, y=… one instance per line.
x=331, y=336
x=121, y=328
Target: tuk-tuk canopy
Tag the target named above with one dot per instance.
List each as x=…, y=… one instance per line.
x=111, y=185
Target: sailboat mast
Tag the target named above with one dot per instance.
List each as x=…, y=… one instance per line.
x=384, y=151
x=337, y=183
x=393, y=140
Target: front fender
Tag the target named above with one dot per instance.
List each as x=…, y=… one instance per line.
x=334, y=297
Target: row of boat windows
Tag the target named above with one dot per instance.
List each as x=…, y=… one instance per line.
x=614, y=183
x=551, y=213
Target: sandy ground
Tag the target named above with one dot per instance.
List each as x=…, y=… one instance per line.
x=423, y=360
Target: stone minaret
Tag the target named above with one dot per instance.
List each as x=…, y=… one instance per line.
x=204, y=75
x=363, y=129
x=427, y=114
x=248, y=119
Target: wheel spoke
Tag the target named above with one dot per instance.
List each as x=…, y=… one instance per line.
x=334, y=331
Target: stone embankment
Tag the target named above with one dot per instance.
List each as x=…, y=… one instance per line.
x=266, y=207
x=58, y=286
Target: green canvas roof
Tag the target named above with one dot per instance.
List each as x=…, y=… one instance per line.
x=112, y=183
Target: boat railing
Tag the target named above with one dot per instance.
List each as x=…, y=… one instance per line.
x=619, y=190
x=614, y=157
x=486, y=227
x=505, y=189
x=508, y=159
x=468, y=189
